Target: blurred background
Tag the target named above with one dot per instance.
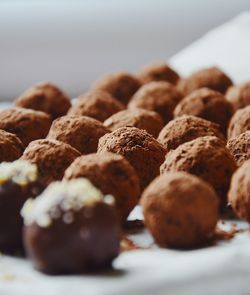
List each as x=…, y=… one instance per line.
x=71, y=43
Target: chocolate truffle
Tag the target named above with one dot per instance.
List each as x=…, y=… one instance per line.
x=239, y=95
x=112, y=174
x=80, y=132
x=11, y=147
x=52, y=158
x=180, y=210
x=28, y=125
x=161, y=97
x=186, y=128
x=212, y=78
x=239, y=123
x=206, y=157
x=142, y=151
x=120, y=85
x=239, y=147
x=139, y=118
x=45, y=97
x=18, y=182
x=239, y=193
x=96, y=104
x=207, y=104
x=71, y=228
x=158, y=72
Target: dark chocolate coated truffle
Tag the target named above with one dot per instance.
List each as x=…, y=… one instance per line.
x=139, y=118
x=28, y=125
x=112, y=174
x=142, y=151
x=161, y=97
x=180, y=210
x=11, y=147
x=80, y=132
x=239, y=95
x=239, y=123
x=45, y=97
x=96, y=104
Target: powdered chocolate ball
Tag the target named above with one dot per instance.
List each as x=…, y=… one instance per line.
x=80, y=132
x=212, y=78
x=52, y=158
x=112, y=174
x=161, y=97
x=11, y=147
x=206, y=157
x=139, y=118
x=28, y=125
x=239, y=193
x=45, y=97
x=186, y=128
x=158, y=72
x=142, y=151
x=239, y=95
x=207, y=104
x=239, y=147
x=180, y=210
x=120, y=85
x=96, y=104
x=239, y=123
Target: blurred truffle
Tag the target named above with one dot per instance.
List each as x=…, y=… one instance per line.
x=11, y=147
x=239, y=95
x=240, y=122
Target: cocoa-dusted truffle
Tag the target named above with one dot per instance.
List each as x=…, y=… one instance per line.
x=96, y=104
x=239, y=123
x=139, y=118
x=18, y=182
x=239, y=193
x=71, y=228
x=239, y=147
x=180, y=210
x=120, y=85
x=207, y=104
x=52, y=158
x=206, y=157
x=28, y=125
x=161, y=97
x=45, y=97
x=11, y=147
x=158, y=72
x=186, y=128
x=239, y=95
x=80, y=132
x=112, y=174
x=142, y=151
x=212, y=78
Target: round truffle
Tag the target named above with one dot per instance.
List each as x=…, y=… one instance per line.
x=120, y=85
x=139, y=118
x=180, y=210
x=207, y=104
x=239, y=193
x=239, y=95
x=239, y=147
x=11, y=147
x=206, y=157
x=212, y=78
x=112, y=174
x=239, y=123
x=71, y=228
x=52, y=158
x=186, y=128
x=158, y=72
x=96, y=104
x=18, y=182
x=80, y=132
x=28, y=125
x=45, y=97
x=141, y=150
x=161, y=97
